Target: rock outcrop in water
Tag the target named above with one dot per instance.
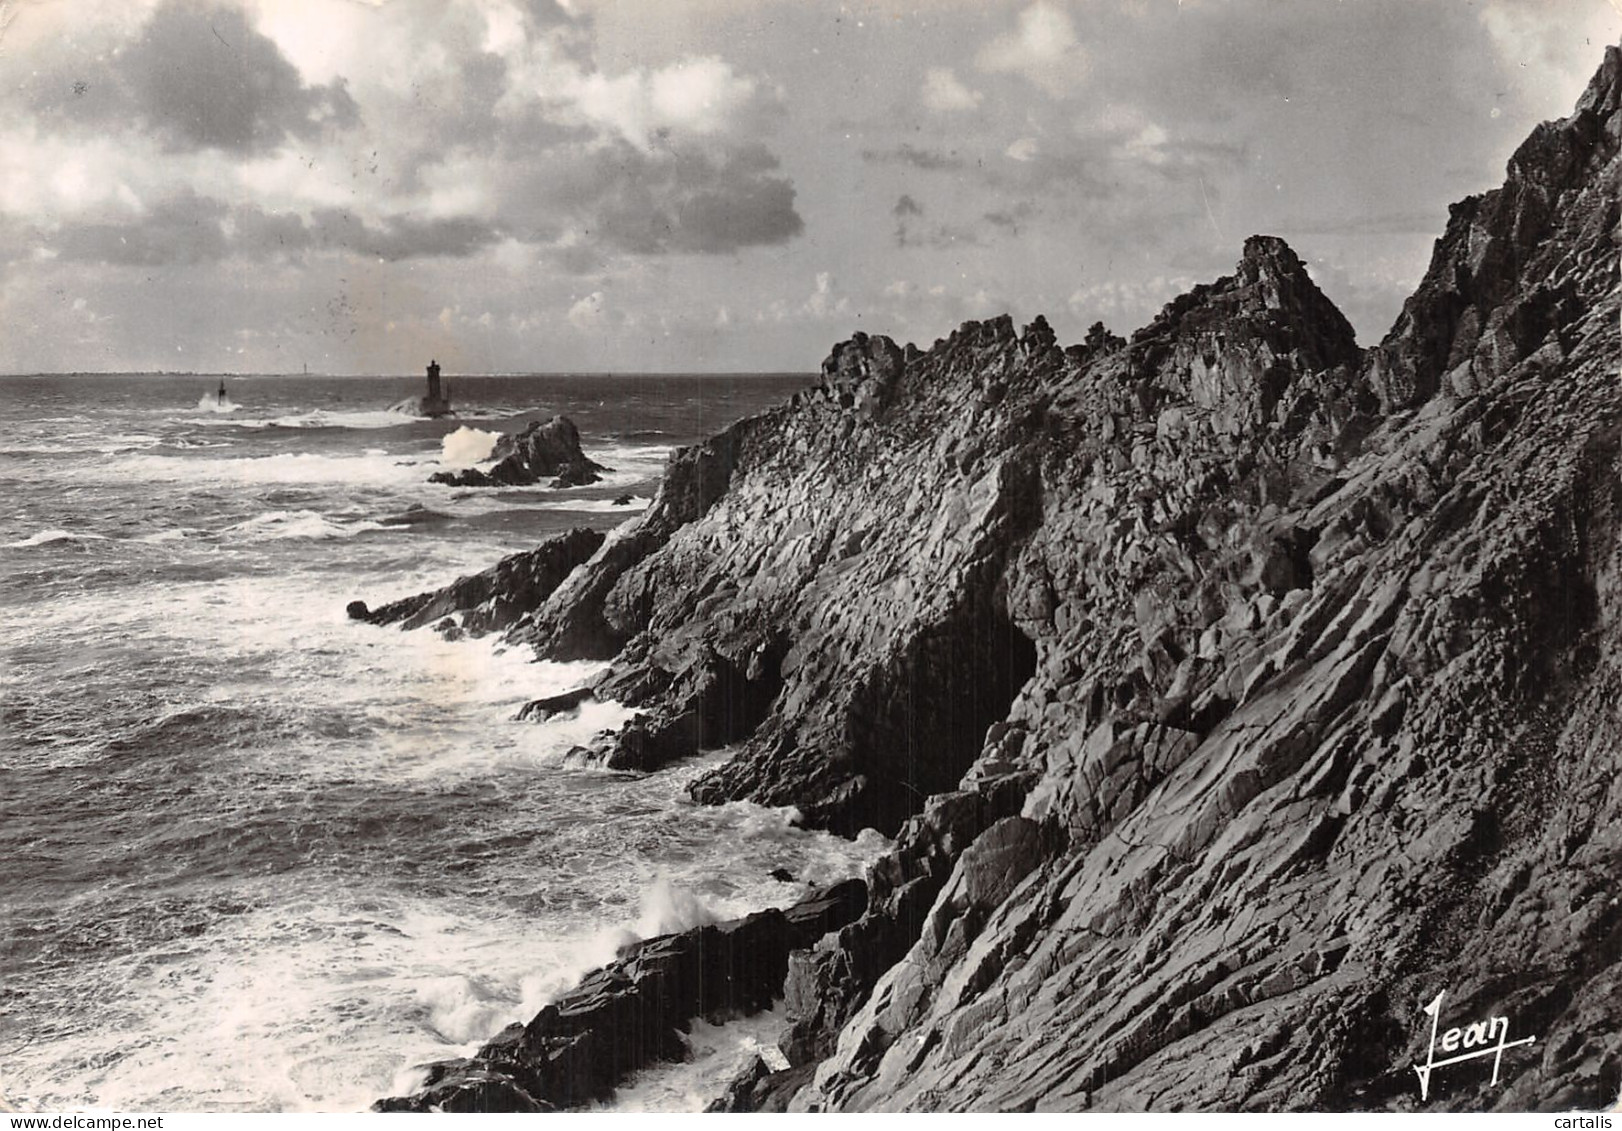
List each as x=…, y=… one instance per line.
x=496, y=598
x=541, y=451
x=1230, y=691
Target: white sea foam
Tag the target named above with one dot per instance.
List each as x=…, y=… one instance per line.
x=71, y=443
x=213, y=402
x=599, y=506
x=327, y=992
x=330, y=418
x=466, y=447
x=646, y=459
x=173, y=534
x=46, y=537
x=715, y=1054
x=286, y=468
x=360, y=419
x=667, y=909
x=277, y=525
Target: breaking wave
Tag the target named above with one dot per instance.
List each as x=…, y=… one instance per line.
x=277, y=525
x=467, y=446
x=46, y=537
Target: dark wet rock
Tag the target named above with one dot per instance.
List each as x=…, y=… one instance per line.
x=539, y=710
x=758, y=1089
x=633, y=1012
x=495, y=599
x=466, y=1086
x=624, y=500
x=549, y=451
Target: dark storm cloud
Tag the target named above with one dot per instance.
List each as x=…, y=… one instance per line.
x=197, y=77
x=208, y=80
x=185, y=229
x=189, y=229
x=686, y=201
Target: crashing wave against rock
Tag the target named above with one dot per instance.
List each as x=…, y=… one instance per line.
x=541, y=451
x=1229, y=691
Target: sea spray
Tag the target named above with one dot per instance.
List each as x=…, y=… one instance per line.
x=268, y=857
x=467, y=446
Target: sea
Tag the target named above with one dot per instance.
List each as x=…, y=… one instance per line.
x=255, y=856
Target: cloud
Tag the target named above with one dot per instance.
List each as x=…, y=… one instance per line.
x=943, y=91
x=702, y=96
x=400, y=237
x=930, y=160
x=204, y=78
x=188, y=229
x=823, y=303
x=1024, y=149
x=912, y=231
x=589, y=313
x=182, y=230
x=1042, y=48
x=672, y=202
x=1127, y=304
x=1527, y=40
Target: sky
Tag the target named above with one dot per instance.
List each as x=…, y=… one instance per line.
x=722, y=185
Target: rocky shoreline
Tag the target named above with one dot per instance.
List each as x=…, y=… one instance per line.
x=1229, y=690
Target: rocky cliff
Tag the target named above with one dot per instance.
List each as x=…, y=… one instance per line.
x=1230, y=691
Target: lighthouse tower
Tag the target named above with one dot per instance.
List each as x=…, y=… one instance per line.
x=436, y=403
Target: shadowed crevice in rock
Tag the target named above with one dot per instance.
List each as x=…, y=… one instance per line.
x=720, y=700
x=918, y=723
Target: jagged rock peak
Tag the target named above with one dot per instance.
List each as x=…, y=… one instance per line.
x=1240, y=347
x=1604, y=94
x=1516, y=262
x=1272, y=292
x=1038, y=335
x=1270, y=259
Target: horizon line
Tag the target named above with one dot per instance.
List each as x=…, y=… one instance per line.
x=415, y=376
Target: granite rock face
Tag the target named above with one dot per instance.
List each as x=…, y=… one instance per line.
x=549, y=451
x=1326, y=741
x=1230, y=691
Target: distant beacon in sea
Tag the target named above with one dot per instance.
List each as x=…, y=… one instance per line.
x=436, y=403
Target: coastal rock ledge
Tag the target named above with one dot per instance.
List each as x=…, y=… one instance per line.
x=1229, y=691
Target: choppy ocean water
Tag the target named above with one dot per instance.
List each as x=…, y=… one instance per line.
x=260, y=857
